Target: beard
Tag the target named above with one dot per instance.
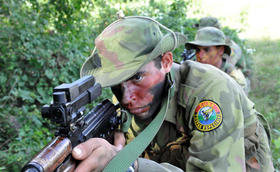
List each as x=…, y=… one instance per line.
x=158, y=91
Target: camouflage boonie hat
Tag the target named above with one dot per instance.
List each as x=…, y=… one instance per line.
x=207, y=21
x=125, y=46
x=209, y=36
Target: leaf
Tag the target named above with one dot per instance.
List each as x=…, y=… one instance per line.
x=49, y=73
x=25, y=95
x=3, y=79
x=277, y=143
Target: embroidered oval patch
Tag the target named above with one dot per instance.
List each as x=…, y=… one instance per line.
x=208, y=116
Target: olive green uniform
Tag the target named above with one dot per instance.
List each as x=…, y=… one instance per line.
x=233, y=65
x=235, y=138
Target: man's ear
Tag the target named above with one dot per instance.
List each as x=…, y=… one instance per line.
x=221, y=50
x=167, y=61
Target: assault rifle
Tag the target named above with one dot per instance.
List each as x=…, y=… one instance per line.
x=188, y=54
x=67, y=110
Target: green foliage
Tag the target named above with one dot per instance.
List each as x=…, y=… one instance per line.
x=21, y=139
x=266, y=88
x=169, y=13
x=36, y=55
x=43, y=43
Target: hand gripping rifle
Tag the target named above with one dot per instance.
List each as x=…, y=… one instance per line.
x=69, y=102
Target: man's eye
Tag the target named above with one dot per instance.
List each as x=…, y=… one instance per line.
x=138, y=77
x=206, y=49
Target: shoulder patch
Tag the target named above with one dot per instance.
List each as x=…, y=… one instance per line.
x=207, y=116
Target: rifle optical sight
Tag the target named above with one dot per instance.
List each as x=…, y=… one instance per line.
x=69, y=100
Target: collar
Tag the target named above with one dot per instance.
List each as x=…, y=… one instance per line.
x=173, y=78
x=226, y=65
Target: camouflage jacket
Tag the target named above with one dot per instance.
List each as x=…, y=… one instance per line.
x=210, y=125
x=237, y=59
x=229, y=67
x=236, y=55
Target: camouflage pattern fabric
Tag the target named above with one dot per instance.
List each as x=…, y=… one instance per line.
x=209, y=36
x=207, y=21
x=210, y=125
x=235, y=73
x=112, y=63
x=239, y=64
x=236, y=54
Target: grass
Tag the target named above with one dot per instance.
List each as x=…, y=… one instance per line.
x=265, y=87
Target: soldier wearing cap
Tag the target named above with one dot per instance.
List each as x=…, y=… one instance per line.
x=209, y=124
x=236, y=52
x=212, y=47
x=236, y=66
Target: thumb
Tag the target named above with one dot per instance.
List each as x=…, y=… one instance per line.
x=84, y=150
x=78, y=152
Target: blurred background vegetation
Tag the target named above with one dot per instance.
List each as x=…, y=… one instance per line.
x=43, y=44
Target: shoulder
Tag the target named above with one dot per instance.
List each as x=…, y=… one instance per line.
x=196, y=74
x=201, y=82
x=236, y=52
x=235, y=46
x=238, y=77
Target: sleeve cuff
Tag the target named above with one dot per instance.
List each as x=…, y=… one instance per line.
x=145, y=165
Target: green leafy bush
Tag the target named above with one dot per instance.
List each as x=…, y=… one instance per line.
x=43, y=44
x=37, y=53
x=266, y=88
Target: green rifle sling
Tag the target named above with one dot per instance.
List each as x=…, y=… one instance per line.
x=131, y=152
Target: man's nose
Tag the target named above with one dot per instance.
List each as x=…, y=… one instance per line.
x=129, y=96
